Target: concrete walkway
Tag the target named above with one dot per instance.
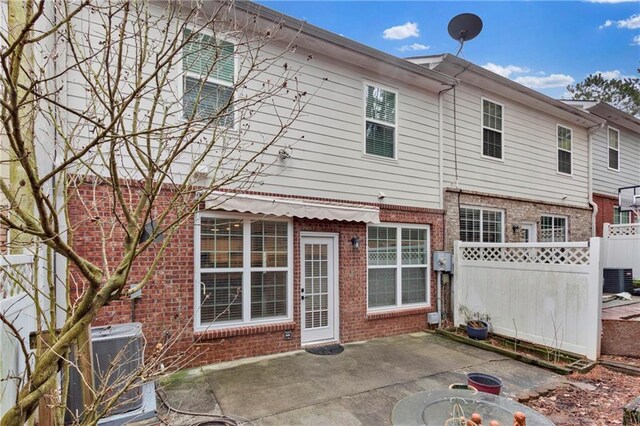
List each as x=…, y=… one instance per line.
x=358, y=387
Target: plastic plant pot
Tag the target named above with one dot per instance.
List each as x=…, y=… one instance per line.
x=478, y=333
x=485, y=383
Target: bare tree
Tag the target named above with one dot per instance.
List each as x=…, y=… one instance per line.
x=140, y=109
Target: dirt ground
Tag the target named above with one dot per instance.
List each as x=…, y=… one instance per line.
x=597, y=399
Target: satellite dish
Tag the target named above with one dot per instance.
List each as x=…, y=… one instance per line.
x=465, y=27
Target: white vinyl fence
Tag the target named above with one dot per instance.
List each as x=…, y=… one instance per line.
x=546, y=293
x=16, y=276
x=621, y=247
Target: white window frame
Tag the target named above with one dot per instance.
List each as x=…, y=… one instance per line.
x=609, y=148
x=482, y=208
x=246, y=271
x=558, y=126
x=482, y=127
x=399, y=266
x=619, y=214
x=366, y=83
x=566, y=227
x=184, y=73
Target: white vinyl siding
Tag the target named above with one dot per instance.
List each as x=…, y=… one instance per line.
x=553, y=229
x=565, y=156
x=530, y=151
x=491, y=129
x=481, y=225
x=243, y=270
x=209, y=70
x=607, y=180
x=326, y=141
x=614, y=149
x=398, y=266
x=380, y=123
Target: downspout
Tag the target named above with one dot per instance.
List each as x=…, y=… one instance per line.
x=594, y=207
x=441, y=149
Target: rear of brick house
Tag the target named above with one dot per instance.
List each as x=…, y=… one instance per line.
x=334, y=241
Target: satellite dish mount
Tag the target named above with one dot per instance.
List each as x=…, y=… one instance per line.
x=464, y=27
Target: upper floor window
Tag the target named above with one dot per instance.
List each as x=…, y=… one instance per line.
x=481, y=225
x=491, y=129
x=553, y=229
x=398, y=265
x=620, y=217
x=564, y=150
x=380, y=123
x=209, y=70
x=614, y=149
x=243, y=271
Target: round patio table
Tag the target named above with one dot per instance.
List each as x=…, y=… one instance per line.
x=436, y=407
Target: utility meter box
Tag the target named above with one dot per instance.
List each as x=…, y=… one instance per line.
x=442, y=261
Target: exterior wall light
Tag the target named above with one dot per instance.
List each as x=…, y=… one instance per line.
x=355, y=242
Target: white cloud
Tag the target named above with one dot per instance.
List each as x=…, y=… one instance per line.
x=413, y=47
x=505, y=71
x=631, y=23
x=608, y=75
x=400, y=32
x=552, y=80
x=636, y=40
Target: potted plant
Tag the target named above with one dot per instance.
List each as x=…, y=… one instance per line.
x=478, y=324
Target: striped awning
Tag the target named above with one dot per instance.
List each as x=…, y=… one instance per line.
x=290, y=207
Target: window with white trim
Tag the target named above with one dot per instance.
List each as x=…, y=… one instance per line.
x=243, y=270
x=553, y=229
x=565, y=142
x=380, y=123
x=481, y=225
x=398, y=265
x=491, y=129
x=209, y=71
x=620, y=217
x=614, y=148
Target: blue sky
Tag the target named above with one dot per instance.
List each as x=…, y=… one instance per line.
x=542, y=44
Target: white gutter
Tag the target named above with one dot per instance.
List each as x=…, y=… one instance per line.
x=591, y=131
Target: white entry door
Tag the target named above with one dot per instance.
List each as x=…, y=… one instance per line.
x=530, y=231
x=318, y=292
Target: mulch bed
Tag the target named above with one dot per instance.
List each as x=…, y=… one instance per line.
x=600, y=404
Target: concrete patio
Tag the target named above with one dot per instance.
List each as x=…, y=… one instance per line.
x=357, y=387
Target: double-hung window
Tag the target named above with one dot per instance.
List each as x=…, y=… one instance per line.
x=243, y=271
x=620, y=217
x=208, y=66
x=380, y=121
x=481, y=225
x=491, y=129
x=614, y=149
x=553, y=229
x=398, y=265
x=565, y=142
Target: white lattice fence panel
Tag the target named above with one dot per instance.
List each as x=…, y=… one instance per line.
x=528, y=254
x=16, y=275
x=631, y=229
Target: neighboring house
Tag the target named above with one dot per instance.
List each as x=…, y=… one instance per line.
x=616, y=160
x=515, y=160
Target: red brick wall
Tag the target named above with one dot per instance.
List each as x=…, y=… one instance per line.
x=166, y=306
x=605, y=204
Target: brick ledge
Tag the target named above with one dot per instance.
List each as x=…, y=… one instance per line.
x=247, y=330
x=399, y=313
